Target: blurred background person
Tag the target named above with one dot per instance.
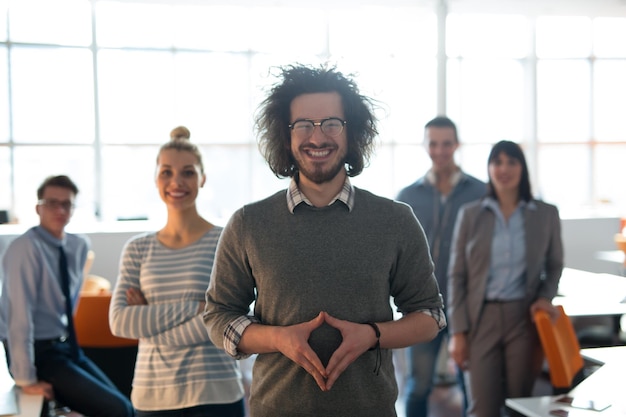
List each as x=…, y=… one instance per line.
x=43, y=274
x=436, y=198
x=506, y=262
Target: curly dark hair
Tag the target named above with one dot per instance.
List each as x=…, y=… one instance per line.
x=273, y=117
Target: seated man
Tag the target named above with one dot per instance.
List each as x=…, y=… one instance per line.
x=43, y=273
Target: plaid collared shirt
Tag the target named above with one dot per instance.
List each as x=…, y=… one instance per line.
x=295, y=197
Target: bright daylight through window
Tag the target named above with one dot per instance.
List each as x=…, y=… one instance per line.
x=92, y=88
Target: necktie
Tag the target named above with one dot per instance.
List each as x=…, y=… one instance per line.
x=65, y=286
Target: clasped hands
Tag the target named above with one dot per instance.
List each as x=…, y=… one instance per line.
x=292, y=341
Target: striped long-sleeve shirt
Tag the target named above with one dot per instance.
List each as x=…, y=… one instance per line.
x=177, y=365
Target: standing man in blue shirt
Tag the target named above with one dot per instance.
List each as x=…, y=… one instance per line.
x=42, y=353
x=436, y=198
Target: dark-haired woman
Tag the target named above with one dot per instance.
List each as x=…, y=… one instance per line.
x=505, y=264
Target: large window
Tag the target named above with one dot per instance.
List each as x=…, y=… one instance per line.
x=92, y=88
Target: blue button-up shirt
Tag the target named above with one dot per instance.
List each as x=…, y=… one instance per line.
x=32, y=305
x=507, y=271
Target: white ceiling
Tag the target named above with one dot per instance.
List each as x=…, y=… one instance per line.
x=550, y=7
x=526, y=7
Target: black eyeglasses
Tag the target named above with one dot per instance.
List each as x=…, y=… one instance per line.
x=55, y=204
x=303, y=128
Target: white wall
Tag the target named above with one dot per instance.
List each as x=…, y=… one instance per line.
x=108, y=248
x=106, y=242
x=582, y=239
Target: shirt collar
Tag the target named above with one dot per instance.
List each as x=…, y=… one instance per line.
x=491, y=203
x=48, y=237
x=454, y=179
x=295, y=196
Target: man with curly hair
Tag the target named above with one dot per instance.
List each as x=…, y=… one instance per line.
x=321, y=261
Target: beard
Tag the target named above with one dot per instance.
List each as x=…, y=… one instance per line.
x=316, y=172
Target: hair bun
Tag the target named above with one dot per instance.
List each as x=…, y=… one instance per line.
x=180, y=132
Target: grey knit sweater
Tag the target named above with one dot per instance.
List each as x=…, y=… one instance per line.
x=329, y=259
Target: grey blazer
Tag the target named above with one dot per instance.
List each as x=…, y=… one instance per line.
x=471, y=252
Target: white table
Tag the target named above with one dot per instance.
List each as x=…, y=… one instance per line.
x=28, y=405
x=605, y=384
x=583, y=293
x=594, y=296
x=616, y=257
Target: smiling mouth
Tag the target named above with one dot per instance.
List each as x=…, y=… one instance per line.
x=505, y=180
x=177, y=194
x=319, y=153
x=315, y=152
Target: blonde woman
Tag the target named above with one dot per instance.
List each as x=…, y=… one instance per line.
x=159, y=299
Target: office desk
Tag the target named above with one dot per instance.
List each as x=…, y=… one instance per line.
x=11, y=396
x=616, y=257
x=28, y=405
x=13, y=403
x=581, y=307
x=607, y=383
x=583, y=293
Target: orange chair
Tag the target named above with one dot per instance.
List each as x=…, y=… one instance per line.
x=95, y=285
x=91, y=321
x=114, y=355
x=562, y=350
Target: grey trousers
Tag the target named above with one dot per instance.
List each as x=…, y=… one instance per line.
x=504, y=358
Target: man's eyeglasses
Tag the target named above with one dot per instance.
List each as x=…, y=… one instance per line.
x=55, y=204
x=303, y=128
